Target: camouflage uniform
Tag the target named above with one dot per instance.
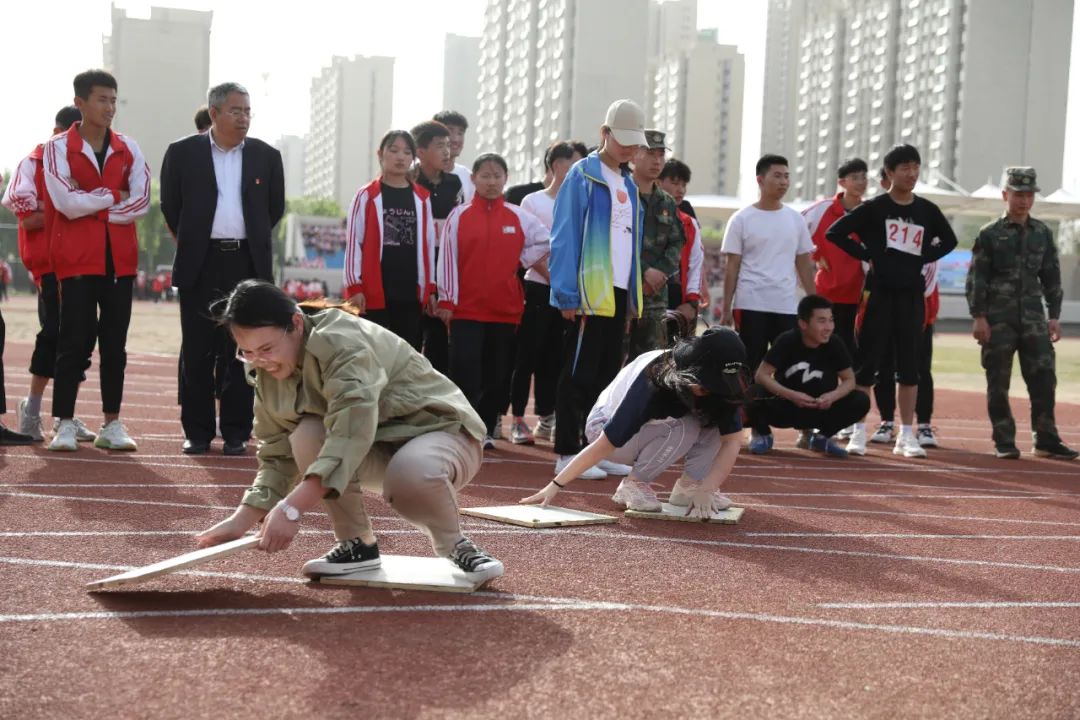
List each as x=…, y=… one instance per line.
x=661, y=248
x=1013, y=268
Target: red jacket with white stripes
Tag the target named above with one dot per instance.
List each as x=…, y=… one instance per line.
x=363, y=246
x=26, y=195
x=843, y=281
x=483, y=244
x=89, y=205
x=692, y=262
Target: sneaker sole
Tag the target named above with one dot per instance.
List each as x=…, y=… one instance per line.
x=110, y=446
x=619, y=500
x=1046, y=454
x=318, y=568
x=909, y=453
x=856, y=451
x=488, y=572
x=882, y=441
x=524, y=441
x=1007, y=455
x=62, y=448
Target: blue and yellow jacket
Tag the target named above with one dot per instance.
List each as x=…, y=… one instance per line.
x=580, y=261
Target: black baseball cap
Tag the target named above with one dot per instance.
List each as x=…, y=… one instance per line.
x=717, y=358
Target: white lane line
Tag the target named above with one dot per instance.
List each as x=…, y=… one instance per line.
x=916, y=605
x=814, y=508
x=156, y=486
x=579, y=606
x=134, y=462
x=823, y=551
x=124, y=568
x=897, y=484
x=911, y=536
x=190, y=533
x=925, y=496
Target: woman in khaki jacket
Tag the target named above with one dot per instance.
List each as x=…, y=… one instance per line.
x=342, y=404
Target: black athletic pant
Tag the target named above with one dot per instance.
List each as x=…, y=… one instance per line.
x=403, y=319
x=479, y=360
x=592, y=357
x=539, y=352
x=3, y=341
x=885, y=388
x=208, y=352
x=758, y=330
x=893, y=318
x=43, y=360
x=89, y=304
x=844, y=320
x=436, y=341
x=765, y=409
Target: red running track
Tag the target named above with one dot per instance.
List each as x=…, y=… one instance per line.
x=873, y=587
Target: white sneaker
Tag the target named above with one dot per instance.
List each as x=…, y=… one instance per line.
x=926, y=436
x=634, y=495
x=614, y=468
x=28, y=424
x=497, y=433
x=885, y=433
x=545, y=429
x=846, y=432
x=65, y=438
x=593, y=473
x=685, y=489
x=856, y=445
x=113, y=436
x=84, y=434
x=488, y=442
x=908, y=446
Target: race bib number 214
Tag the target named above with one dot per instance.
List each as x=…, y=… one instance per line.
x=904, y=236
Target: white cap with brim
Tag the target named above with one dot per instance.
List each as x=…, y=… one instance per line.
x=627, y=122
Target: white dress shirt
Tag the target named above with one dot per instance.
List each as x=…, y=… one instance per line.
x=228, y=169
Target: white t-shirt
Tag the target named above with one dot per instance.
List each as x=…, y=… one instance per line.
x=542, y=207
x=467, y=187
x=622, y=227
x=768, y=241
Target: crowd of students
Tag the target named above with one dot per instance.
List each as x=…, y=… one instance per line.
x=461, y=296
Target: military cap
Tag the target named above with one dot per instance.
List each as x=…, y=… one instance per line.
x=1020, y=179
x=655, y=139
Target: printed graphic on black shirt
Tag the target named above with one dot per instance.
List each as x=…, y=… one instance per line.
x=814, y=371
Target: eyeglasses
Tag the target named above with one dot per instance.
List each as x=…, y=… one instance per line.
x=238, y=113
x=262, y=353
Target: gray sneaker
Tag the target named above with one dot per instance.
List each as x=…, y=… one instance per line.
x=83, y=433
x=65, y=438
x=28, y=424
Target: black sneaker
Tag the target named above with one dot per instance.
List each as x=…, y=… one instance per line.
x=1007, y=452
x=1057, y=450
x=10, y=437
x=474, y=561
x=346, y=557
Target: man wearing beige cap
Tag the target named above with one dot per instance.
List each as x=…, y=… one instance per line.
x=595, y=267
x=1014, y=267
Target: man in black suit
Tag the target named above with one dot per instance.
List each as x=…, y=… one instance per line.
x=221, y=193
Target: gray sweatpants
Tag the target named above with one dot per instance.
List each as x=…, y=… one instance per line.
x=419, y=479
x=660, y=443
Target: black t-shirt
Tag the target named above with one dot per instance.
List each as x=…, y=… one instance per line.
x=515, y=194
x=104, y=151
x=896, y=239
x=814, y=371
x=445, y=194
x=399, y=244
x=644, y=401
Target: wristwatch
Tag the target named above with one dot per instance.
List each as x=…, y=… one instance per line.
x=289, y=511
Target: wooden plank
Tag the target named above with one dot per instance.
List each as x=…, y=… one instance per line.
x=674, y=512
x=406, y=572
x=165, y=567
x=535, y=516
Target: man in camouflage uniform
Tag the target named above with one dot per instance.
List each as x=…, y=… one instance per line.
x=1014, y=267
x=661, y=247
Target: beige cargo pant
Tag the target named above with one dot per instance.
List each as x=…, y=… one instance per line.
x=419, y=479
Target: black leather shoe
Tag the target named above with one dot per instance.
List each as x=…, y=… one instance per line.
x=239, y=448
x=192, y=447
x=1057, y=450
x=10, y=437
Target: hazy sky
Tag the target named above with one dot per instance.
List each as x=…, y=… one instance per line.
x=275, y=50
